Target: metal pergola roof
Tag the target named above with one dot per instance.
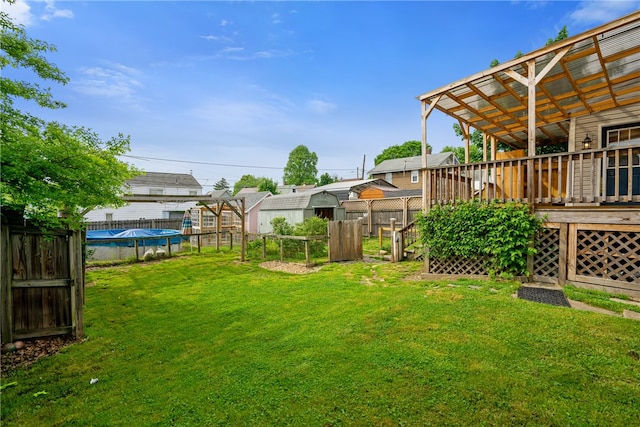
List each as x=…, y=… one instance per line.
x=595, y=71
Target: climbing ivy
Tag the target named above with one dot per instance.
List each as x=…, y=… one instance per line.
x=503, y=234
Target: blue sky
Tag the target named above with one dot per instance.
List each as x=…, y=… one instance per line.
x=225, y=89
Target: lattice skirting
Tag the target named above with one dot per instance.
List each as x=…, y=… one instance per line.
x=611, y=255
x=546, y=262
x=458, y=265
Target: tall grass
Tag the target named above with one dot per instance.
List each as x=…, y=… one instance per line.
x=206, y=340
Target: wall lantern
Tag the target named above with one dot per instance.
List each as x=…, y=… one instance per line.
x=586, y=143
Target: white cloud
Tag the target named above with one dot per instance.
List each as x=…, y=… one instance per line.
x=52, y=12
x=599, y=12
x=276, y=18
x=115, y=81
x=216, y=38
x=232, y=49
x=224, y=23
x=320, y=107
x=19, y=12
x=239, y=54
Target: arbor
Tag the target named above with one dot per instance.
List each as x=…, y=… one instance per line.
x=301, y=167
x=222, y=184
x=408, y=149
x=48, y=167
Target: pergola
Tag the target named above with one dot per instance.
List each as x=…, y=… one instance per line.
x=215, y=206
x=531, y=101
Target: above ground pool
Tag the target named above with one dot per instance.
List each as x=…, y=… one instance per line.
x=145, y=237
x=121, y=244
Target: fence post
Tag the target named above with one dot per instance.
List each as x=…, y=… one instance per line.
x=281, y=250
x=394, y=257
x=307, y=256
x=563, y=248
x=264, y=247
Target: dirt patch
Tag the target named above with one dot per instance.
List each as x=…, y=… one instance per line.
x=33, y=350
x=289, y=267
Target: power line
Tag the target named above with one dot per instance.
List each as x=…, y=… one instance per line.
x=194, y=162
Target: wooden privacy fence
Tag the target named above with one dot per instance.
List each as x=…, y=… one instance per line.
x=377, y=213
x=345, y=240
x=42, y=283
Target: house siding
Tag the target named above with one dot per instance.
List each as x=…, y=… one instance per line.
x=592, y=125
x=136, y=211
x=402, y=180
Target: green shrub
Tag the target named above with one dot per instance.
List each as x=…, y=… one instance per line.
x=314, y=226
x=281, y=227
x=502, y=234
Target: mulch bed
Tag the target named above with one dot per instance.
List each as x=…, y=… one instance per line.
x=33, y=350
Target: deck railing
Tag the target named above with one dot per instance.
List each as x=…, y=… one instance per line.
x=591, y=176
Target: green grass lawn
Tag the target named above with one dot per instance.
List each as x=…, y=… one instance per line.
x=207, y=340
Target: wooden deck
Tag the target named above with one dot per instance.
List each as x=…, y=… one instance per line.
x=590, y=201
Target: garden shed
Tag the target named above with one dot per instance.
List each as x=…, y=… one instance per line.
x=296, y=207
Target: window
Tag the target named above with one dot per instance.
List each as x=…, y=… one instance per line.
x=193, y=193
x=109, y=217
x=226, y=219
x=156, y=191
x=415, y=177
x=621, y=135
x=209, y=220
x=388, y=177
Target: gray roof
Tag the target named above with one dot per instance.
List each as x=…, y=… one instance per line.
x=414, y=163
x=343, y=188
x=162, y=179
x=292, y=201
x=284, y=189
x=252, y=199
x=219, y=194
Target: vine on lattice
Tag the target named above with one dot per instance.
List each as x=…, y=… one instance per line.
x=502, y=234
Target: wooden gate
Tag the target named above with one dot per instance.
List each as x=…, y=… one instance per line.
x=345, y=240
x=42, y=283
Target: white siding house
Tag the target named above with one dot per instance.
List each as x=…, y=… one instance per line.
x=152, y=183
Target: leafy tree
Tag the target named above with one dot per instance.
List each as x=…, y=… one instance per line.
x=246, y=181
x=261, y=183
x=562, y=34
x=325, y=179
x=458, y=151
x=48, y=167
x=301, y=167
x=267, y=184
x=475, y=145
x=222, y=184
x=408, y=149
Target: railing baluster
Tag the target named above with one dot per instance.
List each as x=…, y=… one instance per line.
x=558, y=178
x=629, y=175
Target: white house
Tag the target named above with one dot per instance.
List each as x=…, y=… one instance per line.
x=152, y=183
